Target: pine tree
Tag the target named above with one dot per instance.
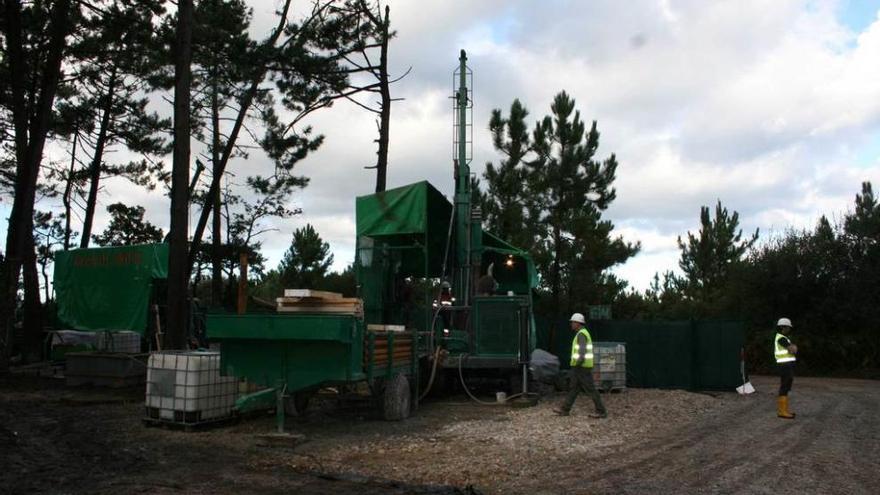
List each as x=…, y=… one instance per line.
x=107, y=106
x=863, y=224
x=307, y=260
x=507, y=206
x=708, y=257
x=304, y=63
x=570, y=189
x=49, y=234
x=127, y=227
x=178, y=249
x=34, y=49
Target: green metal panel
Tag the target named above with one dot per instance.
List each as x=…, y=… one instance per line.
x=108, y=289
x=282, y=327
x=299, y=364
x=497, y=325
x=300, y=350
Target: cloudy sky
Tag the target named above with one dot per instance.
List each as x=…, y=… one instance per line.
x=771, y=106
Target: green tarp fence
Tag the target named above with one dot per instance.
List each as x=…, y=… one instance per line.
x=108, y=289
x=692, y=355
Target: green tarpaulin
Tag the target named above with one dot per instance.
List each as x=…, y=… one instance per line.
x=108, y=289
x=418, y=216
x=414, y=209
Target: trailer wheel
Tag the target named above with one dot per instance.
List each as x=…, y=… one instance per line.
x=396, y=398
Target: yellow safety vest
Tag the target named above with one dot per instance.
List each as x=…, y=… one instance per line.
x=781, y=353
x=575, y=350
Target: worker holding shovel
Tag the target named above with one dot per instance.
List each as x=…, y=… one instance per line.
x=581, y=370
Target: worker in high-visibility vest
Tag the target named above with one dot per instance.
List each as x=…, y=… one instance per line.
x=784, y=352
x=581, y=373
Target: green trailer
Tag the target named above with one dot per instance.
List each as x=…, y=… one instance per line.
x=294, y=355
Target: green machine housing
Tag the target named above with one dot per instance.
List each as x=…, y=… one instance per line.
x=404, y=250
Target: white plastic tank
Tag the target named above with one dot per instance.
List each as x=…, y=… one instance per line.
x=186, y=387
x=609, y=365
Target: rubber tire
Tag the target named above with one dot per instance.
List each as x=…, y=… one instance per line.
x=396, y=398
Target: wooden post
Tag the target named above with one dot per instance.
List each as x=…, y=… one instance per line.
x=242, y=283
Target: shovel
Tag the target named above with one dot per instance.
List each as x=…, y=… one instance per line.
x=746, y=388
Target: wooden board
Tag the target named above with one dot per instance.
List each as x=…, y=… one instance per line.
x=311, y=301
x=335, y=305
x=347, y=310
x=319, y=294
x=386, y=328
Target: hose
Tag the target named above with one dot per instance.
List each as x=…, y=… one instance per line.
x=433, y=374
x=482, y=402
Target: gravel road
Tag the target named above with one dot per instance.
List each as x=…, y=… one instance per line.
x=833, y=446
x=58, y=440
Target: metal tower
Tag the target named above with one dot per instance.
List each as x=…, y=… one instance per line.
x=462, y=154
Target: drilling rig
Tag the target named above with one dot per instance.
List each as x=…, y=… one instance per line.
x=413, y=244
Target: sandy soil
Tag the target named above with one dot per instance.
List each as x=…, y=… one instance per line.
x=58, y=440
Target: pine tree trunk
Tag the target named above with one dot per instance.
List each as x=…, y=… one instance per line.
x=216, y=259
x=30, y=130
x=44, y=267
x=385, y=114
x=556, y=287
x=97, y=161
x=178, y=258
x=32, y=325
x=244, y=105
x=554, y=282
x=68, y=190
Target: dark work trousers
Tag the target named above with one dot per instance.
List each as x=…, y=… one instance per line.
x=581, y=380
x=786, y=377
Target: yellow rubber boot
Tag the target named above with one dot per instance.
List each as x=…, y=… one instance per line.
x=782, y=408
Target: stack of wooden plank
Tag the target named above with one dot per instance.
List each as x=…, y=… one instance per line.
x=399, y=349
x=316, y=301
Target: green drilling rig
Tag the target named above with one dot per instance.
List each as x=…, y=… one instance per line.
x=428, y=264
x=436, y=294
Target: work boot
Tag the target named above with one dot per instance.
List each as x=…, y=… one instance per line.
x=560, y=411
x=782, y=408
x=787, y=411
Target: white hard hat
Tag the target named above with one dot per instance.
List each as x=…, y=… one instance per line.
x=783, y=322
x=578, y=318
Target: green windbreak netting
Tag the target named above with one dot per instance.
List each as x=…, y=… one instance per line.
x=108, y=289
x=694, y=355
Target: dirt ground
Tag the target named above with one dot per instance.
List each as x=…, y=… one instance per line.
x=59, y=440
